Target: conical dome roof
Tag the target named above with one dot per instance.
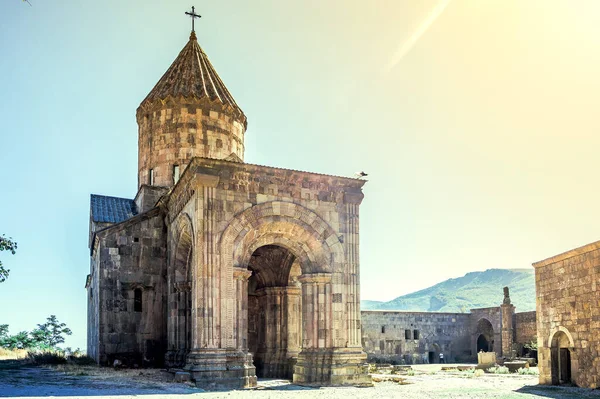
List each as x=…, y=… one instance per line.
x=192, y=76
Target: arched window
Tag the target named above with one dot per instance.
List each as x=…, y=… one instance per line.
x=137, y=300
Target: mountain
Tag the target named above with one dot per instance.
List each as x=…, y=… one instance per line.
x=473, y=290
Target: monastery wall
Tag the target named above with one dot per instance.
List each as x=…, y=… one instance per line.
x=416, y=337
x=525, y=328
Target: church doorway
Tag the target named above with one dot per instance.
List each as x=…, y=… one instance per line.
x=274, y=311
x=485, y=336
x=560, y=359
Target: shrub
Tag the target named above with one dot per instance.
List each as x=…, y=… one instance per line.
x=498, y=370
x=528, y=371
x=47, y=357
x=410, y=372
x=478, y=372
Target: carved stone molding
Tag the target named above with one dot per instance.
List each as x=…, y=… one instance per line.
x=322, y=278
x=241, y=274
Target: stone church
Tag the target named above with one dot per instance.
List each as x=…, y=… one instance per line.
x=224, y=270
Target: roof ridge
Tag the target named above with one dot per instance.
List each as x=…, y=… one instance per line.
x=111, y=196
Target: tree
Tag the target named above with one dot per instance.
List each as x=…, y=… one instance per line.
x=46, y=336
x=50, y=334
x=6, y=244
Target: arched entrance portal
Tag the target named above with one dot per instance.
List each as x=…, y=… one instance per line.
x=560, y=358
x=485, y=336
x=264, y=249
x=274, y=311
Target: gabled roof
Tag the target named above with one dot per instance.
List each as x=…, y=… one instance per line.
x=111, y=209
x=192, y=76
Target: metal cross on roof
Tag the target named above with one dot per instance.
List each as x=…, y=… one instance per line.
x=193, y=15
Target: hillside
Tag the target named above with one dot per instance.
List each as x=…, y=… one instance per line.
x=473, y=290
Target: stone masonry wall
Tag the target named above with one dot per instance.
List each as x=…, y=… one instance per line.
x=93, y=311
x=130, y=256
x=525, y=328
x=390, y=336
x=174, y=133
x=568, y=305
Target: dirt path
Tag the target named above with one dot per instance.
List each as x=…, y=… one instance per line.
x=32, y=382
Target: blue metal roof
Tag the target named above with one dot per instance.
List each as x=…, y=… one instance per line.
x=111, y=209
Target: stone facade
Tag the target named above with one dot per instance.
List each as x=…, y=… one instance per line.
x=568, y=317
x=420, y=337
x=126, y=315
x=221, y=268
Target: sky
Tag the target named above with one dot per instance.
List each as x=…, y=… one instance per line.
x=475, y=120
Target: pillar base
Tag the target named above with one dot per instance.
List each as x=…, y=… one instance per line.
x=332, y=367
x=176, y=358
x=221, y=369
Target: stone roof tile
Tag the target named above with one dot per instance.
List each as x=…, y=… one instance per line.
x=192, y=76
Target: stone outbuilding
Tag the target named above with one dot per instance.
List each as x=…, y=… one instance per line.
x=421, y=337
x=568, y=317
x=224, y=269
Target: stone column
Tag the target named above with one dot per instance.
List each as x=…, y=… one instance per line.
x=319, y=362
x=294, y=322
x=178, y=324
x=508, y=311
x=230, y=367
x=182, y=322
x=240, y=310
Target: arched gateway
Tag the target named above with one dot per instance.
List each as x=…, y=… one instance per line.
x=303, y=319
x=239, y=270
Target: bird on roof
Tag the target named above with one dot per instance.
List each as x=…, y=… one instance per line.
x=361, y=174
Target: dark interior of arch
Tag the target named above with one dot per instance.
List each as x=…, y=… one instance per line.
x=274, y=311
x=560, y=359
x=271, y=265
x=482, y=343
x=485, y=339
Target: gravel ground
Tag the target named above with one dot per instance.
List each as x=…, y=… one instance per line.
x=428, y=382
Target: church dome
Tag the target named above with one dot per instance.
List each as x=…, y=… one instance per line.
x=192, y=75
x=189, y=113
